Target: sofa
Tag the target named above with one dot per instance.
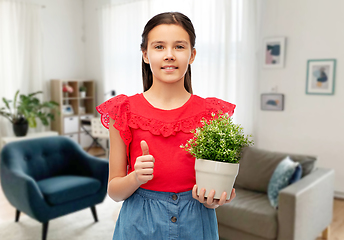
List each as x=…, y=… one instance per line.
x=304, y=208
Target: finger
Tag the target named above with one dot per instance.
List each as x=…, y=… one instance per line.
x=201, y=195
x=144, y=148
x=142, y=164
x=210, y=198
x=144, y=159
x=194, y=192
x=145, y=171
x=148, y=165
x=223, y=198
x=233, y=195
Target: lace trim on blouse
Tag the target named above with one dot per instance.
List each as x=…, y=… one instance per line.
x=118, y=108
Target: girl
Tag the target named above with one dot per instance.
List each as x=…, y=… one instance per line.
x=146, y=131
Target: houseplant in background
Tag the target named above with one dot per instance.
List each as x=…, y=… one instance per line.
x=217, y=147
x=22, y=113
x=82, y=91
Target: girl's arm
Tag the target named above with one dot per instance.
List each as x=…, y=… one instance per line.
x=120, y=185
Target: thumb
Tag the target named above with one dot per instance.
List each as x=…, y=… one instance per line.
x=144, y=147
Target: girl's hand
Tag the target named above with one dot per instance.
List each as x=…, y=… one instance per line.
x=144, y=165
x=209, y=201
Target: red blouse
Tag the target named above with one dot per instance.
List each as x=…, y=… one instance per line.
x=164, y=131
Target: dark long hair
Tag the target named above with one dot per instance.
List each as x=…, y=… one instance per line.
x=166, y=18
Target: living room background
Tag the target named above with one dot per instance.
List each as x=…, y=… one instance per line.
x=309, y=124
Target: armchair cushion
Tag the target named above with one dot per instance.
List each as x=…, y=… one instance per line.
x=62, y=189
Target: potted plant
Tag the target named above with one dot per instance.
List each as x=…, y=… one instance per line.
x=217, y=147
x=82, y=91
x=23, y=113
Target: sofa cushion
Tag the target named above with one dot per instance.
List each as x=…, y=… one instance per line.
x=280, y=179
x=61, y=189
x=249, y=212
x=257, y=167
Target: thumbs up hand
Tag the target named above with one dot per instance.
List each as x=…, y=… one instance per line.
x=144, y=165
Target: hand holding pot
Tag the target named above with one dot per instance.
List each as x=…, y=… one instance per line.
x=209, y=201
x=144, y=165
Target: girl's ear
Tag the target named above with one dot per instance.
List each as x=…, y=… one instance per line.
x=193, y=55
x=145, y=57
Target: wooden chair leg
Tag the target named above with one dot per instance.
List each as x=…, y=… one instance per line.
x=45, y=230
x=326, y=233
x=94, y=213
x=17, y=215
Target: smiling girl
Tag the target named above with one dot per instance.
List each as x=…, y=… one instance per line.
x=147, y=168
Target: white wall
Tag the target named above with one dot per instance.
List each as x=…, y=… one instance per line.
x=310, y=124
x=63, y=45
x=92, y=45
x=93, y=64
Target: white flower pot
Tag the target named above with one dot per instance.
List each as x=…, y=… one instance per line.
x=82, y=94
x=219, y=176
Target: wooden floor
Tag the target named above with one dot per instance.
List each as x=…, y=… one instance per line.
x=337, y=225
x=7, y=212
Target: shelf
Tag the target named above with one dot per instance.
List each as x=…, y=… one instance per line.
x=70, y=98
x=77, y=97
x=86, y=98
x=69, y=124
x=84, y=114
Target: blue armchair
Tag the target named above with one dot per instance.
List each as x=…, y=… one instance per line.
x=50, y=177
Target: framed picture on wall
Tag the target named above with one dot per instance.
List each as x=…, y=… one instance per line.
x=272, y=102
x=274, y=49
x=321, y=76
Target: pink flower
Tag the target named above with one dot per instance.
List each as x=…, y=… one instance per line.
x=67, y=88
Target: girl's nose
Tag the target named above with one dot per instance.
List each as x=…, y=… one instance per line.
x=169, y=56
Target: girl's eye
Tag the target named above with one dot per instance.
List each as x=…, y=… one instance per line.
x=159, y=47
x=179, y=47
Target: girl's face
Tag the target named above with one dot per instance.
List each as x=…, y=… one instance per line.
x=168, y=52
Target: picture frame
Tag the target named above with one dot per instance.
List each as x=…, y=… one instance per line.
x=272, y=102
x=274, y=52
x=321, y=75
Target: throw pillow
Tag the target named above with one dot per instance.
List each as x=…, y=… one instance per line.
x=280, y=179
x=297, y=174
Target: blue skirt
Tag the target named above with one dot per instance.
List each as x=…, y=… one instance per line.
x=167, y=216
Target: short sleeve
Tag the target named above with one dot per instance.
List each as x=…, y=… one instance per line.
x=117, y=108
x=214, y=105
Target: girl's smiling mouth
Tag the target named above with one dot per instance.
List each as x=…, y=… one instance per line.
x=169, y=68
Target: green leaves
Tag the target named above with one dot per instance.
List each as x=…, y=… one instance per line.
x=7, y=103
x=15, y=100
x=219, y=139
x=29, y=107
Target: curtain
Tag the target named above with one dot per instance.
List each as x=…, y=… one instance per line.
x=226, y=45
x=20, y=52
